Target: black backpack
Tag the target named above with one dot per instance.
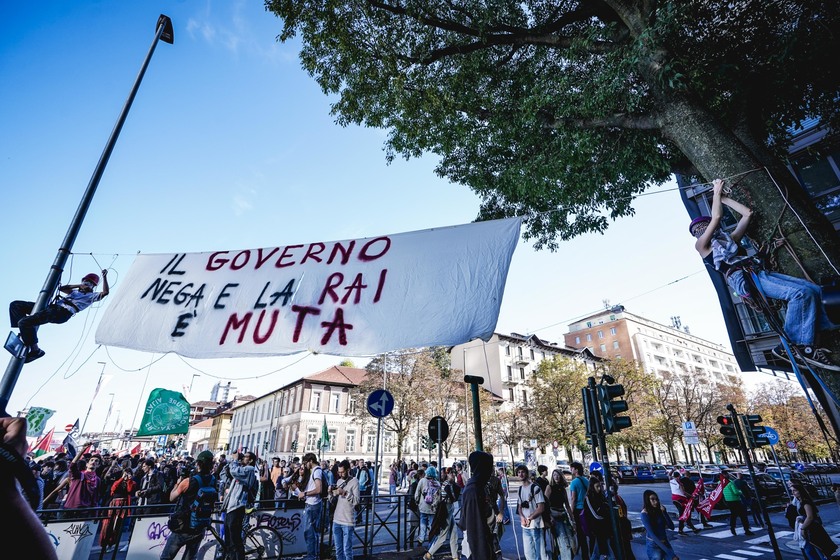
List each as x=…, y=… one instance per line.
x=324, y=487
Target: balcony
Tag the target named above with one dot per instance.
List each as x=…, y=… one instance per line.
x=522, y=360
x=510, y=380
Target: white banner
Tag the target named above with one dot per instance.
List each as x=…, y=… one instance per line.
x=436, y=287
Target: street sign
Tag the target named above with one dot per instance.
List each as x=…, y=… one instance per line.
x=555, y=444
x=771, y=435
x=688, y=425
x=433, y=429
x=690, y=436
x=380, y=403
x=791, y=445
x=596, y=467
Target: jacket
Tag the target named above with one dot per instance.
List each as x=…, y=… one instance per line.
x=244, y=477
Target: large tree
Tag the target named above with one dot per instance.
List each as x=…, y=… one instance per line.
x=562, y=111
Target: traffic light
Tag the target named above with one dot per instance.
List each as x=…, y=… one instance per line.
x=752, y=431
x=427, y=443
x=730, y=434
x=610, y=408
x=294, y=445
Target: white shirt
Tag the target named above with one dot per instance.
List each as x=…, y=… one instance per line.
x=533, y=501
x=317, y=474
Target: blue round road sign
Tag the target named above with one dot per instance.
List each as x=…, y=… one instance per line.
x=771, y=435
x=380, y=403
x=596, y=467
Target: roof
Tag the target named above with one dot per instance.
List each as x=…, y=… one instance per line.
x=339, y=375
x=533, y=340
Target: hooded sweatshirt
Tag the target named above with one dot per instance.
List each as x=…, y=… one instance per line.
x=475, y=509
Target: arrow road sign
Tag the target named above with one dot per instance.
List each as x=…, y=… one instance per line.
x=380, y=403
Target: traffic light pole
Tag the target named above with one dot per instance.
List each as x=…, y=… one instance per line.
x=764, y=514
x=589, y=408
x=615, y=541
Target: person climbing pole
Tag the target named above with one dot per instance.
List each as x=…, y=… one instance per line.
x=805, y=315
x=74, y=298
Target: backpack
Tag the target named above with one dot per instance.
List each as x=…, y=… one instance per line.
x=432, y=492
x=324, y=488
x=205, y=500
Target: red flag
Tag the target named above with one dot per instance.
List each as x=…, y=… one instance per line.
x=43, y=446
x=135, y=450
x=691, y=500
x=707, y=505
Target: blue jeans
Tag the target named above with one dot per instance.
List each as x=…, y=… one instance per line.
x=393, y=490
x=805, y=312
x=656, y=553
x=312, y=530
x=425, y=525
x=175, y=541
x=532, y=543
x=343, y=541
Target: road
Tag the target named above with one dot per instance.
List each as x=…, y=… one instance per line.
x=715, y=543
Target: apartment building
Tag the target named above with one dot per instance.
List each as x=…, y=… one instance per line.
x=616, y=333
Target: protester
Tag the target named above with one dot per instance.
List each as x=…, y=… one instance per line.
x=443, y=525
x=561, y=513
x=183, y=494
x=625, y=530
x=76, y=298
x=478, y=542
x=655, y=521
x=240, y=495
x=21, y=525
x=121, y=492
x=814, y=541
x=427, y=497
x=83, y=485
x=530, y=503
x=733, y=495
x=578, y=489
x=311, y=494
x=682, y=499
x=346, y=496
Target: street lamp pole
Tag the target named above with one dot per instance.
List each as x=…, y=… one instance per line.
x=164, y=32
x=108, y=414
x=98, y=384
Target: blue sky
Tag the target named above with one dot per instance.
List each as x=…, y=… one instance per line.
x=228, y=145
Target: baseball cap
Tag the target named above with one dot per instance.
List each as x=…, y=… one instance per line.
x=205, y=457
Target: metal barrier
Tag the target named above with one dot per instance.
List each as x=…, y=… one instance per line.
x=141, y=530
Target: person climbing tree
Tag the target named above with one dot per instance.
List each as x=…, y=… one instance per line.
x=805, y=314
x=75, y=298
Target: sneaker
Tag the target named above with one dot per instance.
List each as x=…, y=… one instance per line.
x=34, y=355
x=817, y=357
x=749, y=533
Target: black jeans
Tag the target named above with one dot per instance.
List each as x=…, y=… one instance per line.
x=19, y=315
x=233, y=533
x=737, y=510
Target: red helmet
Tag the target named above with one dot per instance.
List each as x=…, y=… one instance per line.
x=92, y=278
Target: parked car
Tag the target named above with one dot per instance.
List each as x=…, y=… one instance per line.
x=660, y=472
x=626, y=473
x=644, y=473
x=785, y=475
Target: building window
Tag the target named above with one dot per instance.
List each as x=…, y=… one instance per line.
x=510, y=373
x=333, y=438
x=522, y=373
x=371, y=443
x=350, y=443
x=315, y=402
x=612, y=331
x=351, y=405
x=335, y=399
x=525, y=398
x=312, y=439
x=600, y=334
x=588, y=337
x=519, y=352
x=589, y=324
x=510, y=395
x=612, y=317
x=532, y=353
x=507, y=350
x=577, y=340
x=615, y=345
x=603, y=348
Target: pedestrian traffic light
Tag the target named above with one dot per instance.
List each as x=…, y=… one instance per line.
x=610, y=408
x=730, y=434
x=752, y=431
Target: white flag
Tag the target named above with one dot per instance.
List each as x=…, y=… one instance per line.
x=436, y=287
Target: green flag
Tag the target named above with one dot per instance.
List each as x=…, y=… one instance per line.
x=166, y=412
x=325, y=436
x=36, y=420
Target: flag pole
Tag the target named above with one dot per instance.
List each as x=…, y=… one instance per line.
x=163, y=32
